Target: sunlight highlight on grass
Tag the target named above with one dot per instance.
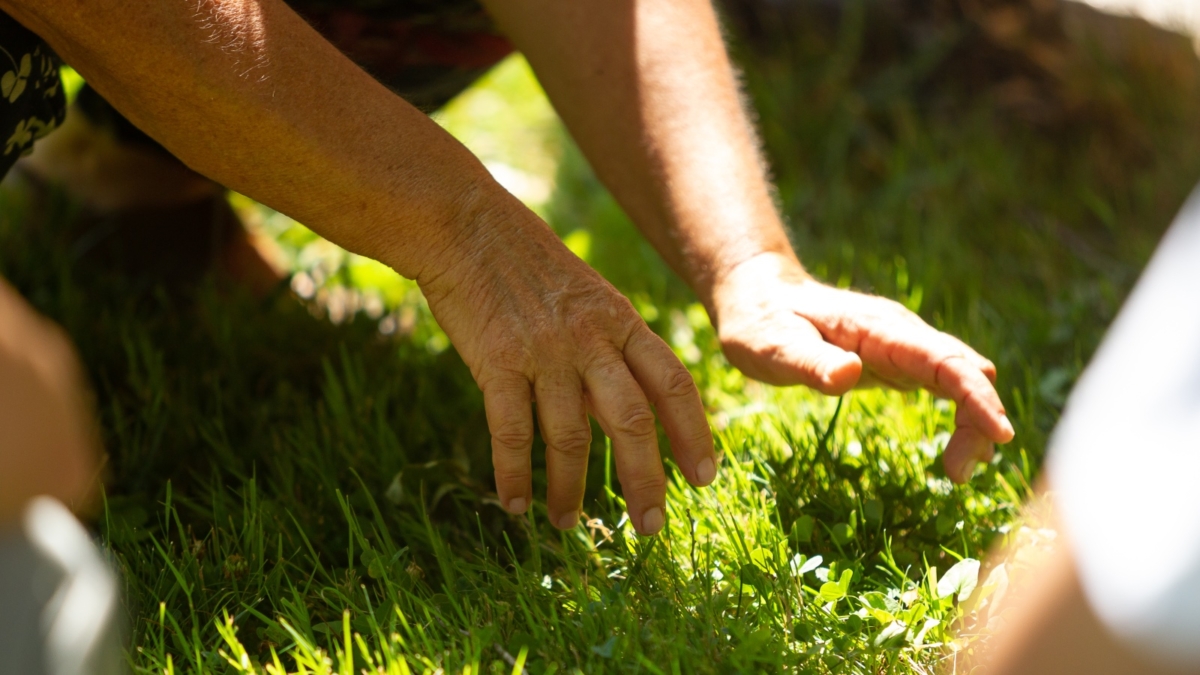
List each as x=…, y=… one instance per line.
x=302, y=483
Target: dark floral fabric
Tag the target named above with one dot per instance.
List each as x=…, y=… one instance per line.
x=425, y=50
x=32, y=102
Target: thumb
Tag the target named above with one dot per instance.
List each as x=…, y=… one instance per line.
x=789, y=350
x=824, y=367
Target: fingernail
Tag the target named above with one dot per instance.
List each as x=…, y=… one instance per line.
x=706, y=471
x=652, y=520
x=568, y=520
x=516, y=506
x=1007, y=426
x=967, y=470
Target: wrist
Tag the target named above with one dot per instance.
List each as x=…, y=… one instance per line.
x=750, y=277
x=716, y=257
x=488, y=235
x=453, y=227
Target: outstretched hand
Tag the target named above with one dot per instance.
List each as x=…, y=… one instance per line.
x=778, y=325
x=535, y=324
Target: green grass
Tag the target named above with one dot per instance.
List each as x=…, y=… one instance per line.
x=288, y=494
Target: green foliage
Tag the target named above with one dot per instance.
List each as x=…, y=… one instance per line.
x=293, y=494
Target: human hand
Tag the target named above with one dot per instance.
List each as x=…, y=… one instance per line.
x=48, y=443
x=535, y=324
x=778, y=325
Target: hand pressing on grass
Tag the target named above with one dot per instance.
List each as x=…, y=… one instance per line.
x=272, y=110
x=778, y=325
x=48, y=444
x=647, y=91
x=537, y=325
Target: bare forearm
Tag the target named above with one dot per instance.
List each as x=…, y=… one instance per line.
x=647, y=90
x=248, y=94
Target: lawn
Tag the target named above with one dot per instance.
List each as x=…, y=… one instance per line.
x=302, y=483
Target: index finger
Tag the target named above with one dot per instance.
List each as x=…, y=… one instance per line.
x=934, y=360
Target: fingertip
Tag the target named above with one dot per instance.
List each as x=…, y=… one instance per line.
x=1006, y=429
x=517, y=506
x=672, y=391
x=994, y=425
x=980, y=361
x=567, y=520
x=959, y=469
x=964, y=473
x=706, y=472
x=965, y=450
x=652, y=521
x=989, y=370
x=982, y=410
x=839, y=373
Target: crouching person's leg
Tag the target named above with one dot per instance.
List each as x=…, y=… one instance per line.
x=48, y=442
x=145, y=213
x=1123, y=595
x=58, y=596
x=1053, y=629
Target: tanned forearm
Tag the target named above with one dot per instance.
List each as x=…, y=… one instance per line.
x=647, y=90
x=246, y=93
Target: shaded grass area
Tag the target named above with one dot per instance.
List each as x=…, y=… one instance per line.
x=292, y=495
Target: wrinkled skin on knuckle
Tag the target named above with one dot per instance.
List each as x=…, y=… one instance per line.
x=507, y=360
x=512, y=436
x=609, y=324
x=572, y=443
x=583, y=329
x=644, y=484
x=942, y=377
x=843, y=330
x=510, y=477
x=701, y=438
x=678, y=383
x=627, y=320
x=604, y=364
x=983, y=402
x=636, y=421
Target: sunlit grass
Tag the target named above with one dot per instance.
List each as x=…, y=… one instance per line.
x=302, y=484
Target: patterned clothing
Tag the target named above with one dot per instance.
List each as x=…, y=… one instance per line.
x=427, y=51
x=32, y=102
